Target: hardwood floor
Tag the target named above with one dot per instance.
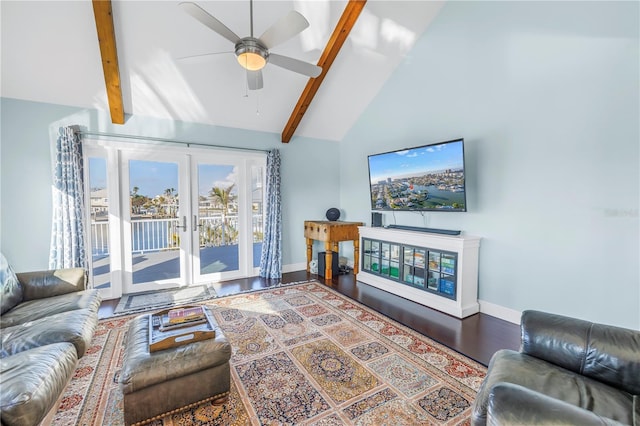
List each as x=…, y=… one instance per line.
x=478, y=336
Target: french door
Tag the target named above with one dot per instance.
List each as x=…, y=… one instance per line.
x=171, y=217
x=155, y=206
x=225, y=220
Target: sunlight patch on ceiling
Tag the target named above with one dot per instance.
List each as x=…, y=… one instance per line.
x=159, y=89
x=382, y=35
x=318, y=13
x=364, y=35
x=397, y=35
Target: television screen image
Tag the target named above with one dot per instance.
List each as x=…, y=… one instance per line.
x=424, y=178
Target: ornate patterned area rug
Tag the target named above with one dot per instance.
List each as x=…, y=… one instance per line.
x=139, y=302
x=302, y=355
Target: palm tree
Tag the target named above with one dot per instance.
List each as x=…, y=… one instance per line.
x=137, y=200
x=160, y=204
x=223, y=197
x=171, y=200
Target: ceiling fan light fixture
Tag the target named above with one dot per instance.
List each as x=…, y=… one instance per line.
x=251, y=55
x=252, y=61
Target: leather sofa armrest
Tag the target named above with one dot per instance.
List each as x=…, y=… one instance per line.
x=511, y=404
x=42, y=284
x=602, y=352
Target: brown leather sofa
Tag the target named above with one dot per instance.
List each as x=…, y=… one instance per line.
x=47, y=321
x=568, y=371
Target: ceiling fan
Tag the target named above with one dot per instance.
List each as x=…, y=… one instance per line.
x=254, y=53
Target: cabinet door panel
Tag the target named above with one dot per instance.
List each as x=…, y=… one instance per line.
x=394, y=269
x=366, y=262
x=384, y=266
x=448, y=264
x=433, y=281
x=434, y=260
x=418, y=267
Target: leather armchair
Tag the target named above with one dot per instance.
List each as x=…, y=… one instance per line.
x=568, y=371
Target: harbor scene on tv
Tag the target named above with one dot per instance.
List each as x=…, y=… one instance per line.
x=429, y=177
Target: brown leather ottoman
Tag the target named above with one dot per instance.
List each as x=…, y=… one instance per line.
x=156, y=383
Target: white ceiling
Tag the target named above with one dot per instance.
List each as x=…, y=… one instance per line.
x=50, y=54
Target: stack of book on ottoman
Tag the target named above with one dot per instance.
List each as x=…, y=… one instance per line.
x=179, y=326
x=182, y=317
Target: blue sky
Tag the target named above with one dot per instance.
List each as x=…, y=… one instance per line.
x=415, y=161
x=153, y=177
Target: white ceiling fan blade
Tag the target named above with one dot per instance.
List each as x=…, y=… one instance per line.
x=254, y=79
x=285, y=28
x=205, y=18
x=200, y=59
x=295, y=65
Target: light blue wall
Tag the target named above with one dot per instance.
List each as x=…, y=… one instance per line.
x=546, y=95
x=25, y=174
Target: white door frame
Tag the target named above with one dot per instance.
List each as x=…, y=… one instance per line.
x=243, y=164
x=184, y=277
x=117, y=155
x=111, y=156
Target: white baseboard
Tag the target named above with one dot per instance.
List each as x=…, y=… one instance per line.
x=294, y=267
x=501, y=312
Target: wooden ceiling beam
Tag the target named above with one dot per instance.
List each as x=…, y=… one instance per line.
x=343, y=28
x=107, y=40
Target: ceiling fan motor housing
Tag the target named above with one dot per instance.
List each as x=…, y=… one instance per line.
x=252, y=54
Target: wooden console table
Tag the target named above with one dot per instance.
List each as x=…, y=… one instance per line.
x=332, y=233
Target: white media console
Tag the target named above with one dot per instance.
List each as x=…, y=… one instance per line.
x=435, y=270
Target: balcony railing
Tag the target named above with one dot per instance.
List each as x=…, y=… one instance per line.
x=149, y=235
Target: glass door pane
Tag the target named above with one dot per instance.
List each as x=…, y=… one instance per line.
x=447, y=277
x=375, y=256
x=366, y=254
x=257, y=211
x=384, y=262
x=155, y=240
x=419, y=270
x=407, y=267
x=394, y=267
x=434, y=271
x=218, y=251
x=100, y=261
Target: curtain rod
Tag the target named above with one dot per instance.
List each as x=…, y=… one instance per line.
x=152, y=139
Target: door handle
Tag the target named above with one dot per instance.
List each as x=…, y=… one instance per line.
x=196, y=225
x=184, y=224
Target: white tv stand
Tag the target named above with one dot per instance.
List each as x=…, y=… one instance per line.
x=435, y=270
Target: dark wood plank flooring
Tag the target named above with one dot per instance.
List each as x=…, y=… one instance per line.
x=478, y=336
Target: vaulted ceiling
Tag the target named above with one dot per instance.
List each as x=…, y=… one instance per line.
x=50, y=53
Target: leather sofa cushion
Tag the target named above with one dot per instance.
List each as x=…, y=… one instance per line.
x=511, y=404
x=10, y=290
x=42, y=308
x=41, y=284
x=141, y=369
x=555, y=382
x=32, y=382
x=606, y=353
x=75, y=327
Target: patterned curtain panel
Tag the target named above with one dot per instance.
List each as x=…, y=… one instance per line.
x=67, y=235
x=271, y=258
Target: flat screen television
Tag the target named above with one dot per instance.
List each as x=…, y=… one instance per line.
x=424, y=178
